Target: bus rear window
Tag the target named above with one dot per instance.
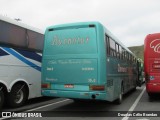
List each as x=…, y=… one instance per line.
x=71, y=41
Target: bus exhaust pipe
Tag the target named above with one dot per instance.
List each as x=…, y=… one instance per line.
x=93, y=96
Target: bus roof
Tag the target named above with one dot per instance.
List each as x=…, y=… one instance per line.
x=152, y=45
x=72, y=25
x=81, y=24
x=14, y=22
x=152, y=36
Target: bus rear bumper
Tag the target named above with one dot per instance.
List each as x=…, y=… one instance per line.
x=75, y=95
x=153, y=87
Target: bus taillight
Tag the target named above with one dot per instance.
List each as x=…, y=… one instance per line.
x=45, y=85
x=97, y=87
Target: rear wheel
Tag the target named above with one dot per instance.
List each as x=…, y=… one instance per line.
x=120, y=98
x=18, y=96
x=151, y=95
x=1, y=98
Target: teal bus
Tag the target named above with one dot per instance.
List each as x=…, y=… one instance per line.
x=85, y=61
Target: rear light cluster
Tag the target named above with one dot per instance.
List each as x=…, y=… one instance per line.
x=45, y=85
x=97, y=87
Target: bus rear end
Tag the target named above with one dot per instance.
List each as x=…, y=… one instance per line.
x=152, y=63
x=70, y=62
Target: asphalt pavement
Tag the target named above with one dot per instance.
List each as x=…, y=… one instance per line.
x=136, y=105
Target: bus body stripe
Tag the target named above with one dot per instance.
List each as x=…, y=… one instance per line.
x=29, y=54
x=9, y=50
x=3, y=53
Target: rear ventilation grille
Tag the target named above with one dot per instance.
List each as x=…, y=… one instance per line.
x=109, y=83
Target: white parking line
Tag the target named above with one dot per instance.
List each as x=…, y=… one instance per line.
x=46, y=105
x=134, y=104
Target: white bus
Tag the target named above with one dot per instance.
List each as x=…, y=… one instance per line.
x=20, y=62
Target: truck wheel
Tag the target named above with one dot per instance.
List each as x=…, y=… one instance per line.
x=18, y=96
x=1, y=98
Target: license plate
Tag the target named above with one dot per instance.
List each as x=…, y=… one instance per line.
x=69, y=86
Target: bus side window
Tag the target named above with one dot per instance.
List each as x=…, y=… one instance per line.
x=123, y=54
x=133, y=59
x=117, y=50
x=120, y=52
x=107, y=45
x=126, y=55
x=112, y=48
x=129, y=57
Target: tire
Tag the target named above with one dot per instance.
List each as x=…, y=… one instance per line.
x=1, y=99
x=151, y=95
x=120, y=98
x=18, y=96
x=134, y=89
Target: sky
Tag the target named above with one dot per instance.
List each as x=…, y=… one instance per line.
x=129, y=20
